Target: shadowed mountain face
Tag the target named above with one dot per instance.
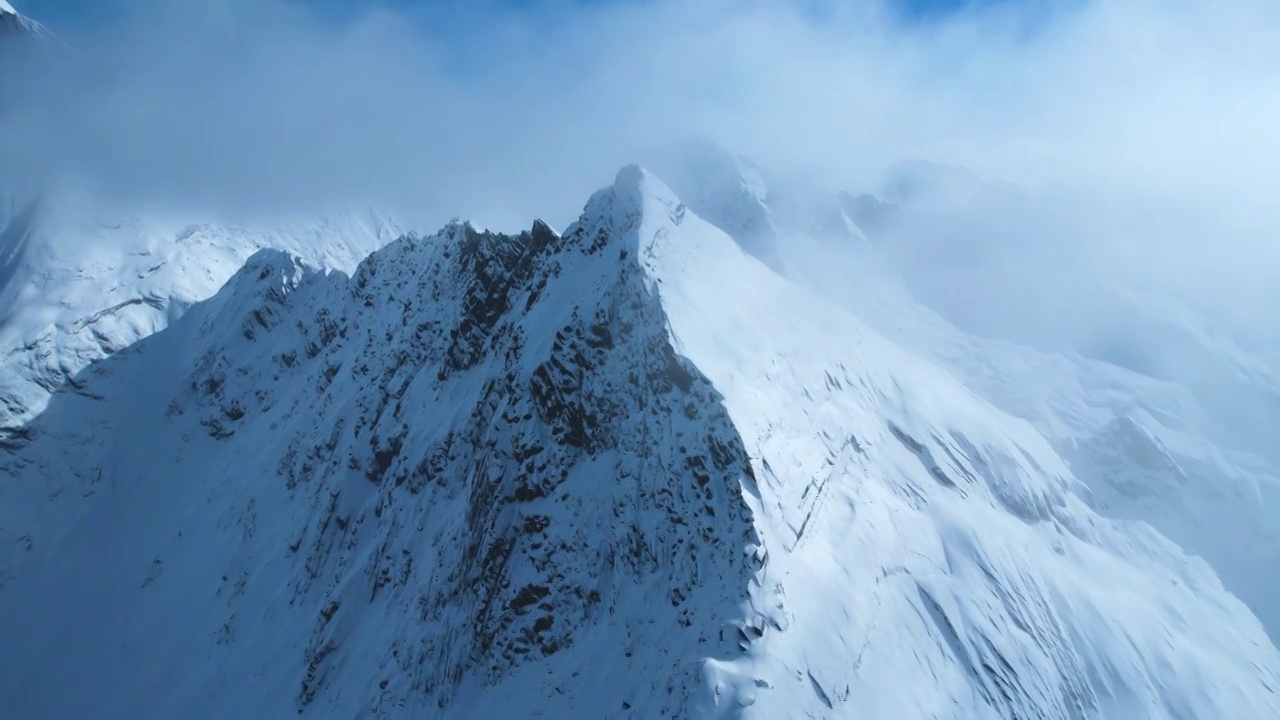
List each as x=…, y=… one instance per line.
x=624, y=470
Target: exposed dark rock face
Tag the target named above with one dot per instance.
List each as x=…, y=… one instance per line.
x=572, y=458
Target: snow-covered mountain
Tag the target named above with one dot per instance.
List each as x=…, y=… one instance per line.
x=729, y=190
x=26, y=49
x=624, y=471
x=1170, y=423
x=18, y=28
x=10, y=16
x=78, y=282
x=81, y=278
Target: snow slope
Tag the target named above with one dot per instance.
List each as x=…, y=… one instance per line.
x=729, y=190
x=624, y=471
x=1188, y=451
x=1149, y=449
x=78, y=282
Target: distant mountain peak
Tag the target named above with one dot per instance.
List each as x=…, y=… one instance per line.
x=725, y=189
x=79, y=281
x=16, y=25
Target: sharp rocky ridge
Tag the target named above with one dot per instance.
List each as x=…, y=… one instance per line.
x=626, y=470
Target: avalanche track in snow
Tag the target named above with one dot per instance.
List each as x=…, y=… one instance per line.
x=623, y=471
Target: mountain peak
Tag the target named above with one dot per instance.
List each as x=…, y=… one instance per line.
x=636, y=195
x=640, y=187
x=629, y=190
x=629, y=179
x=726, y=190
x=14, y=24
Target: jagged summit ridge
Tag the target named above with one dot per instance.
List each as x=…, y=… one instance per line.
x=625, y=470
x=517, y=397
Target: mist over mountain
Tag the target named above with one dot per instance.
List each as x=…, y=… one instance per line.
x=921, y=367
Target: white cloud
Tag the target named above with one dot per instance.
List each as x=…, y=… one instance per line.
x=1161, y=114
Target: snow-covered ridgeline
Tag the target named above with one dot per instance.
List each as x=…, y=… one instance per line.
x=628, y=470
